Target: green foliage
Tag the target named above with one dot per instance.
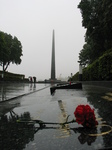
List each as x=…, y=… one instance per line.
x=101, y=69
x=97, y=50
x=105, y=66
x=11, y=76
x=75, y=77
x=97, y=20
x=10, y=50
x=91, y=72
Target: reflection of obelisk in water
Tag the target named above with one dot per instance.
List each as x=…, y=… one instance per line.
x=53, y=58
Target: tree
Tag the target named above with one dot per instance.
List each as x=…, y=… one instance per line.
x=97, y=20
x=107, y=23
x=10, y=50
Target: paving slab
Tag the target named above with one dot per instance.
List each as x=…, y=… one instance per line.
x=43, y=106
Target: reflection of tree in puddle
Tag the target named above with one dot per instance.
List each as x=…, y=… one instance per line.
x=17, y=131
x=3, y=94
x=15, y=135
x=8, y=90
x=104, y=109
x=108, y=137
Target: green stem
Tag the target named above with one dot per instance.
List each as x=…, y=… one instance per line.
x=44, y=123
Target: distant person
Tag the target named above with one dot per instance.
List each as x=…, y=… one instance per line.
x=30, y=79
x=34, y=79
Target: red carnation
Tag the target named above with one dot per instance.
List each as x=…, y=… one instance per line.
x=85, y=116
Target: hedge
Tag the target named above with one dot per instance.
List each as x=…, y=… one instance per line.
x=11, y=76
x=100, y=69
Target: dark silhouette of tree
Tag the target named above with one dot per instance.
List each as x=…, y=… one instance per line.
x=10, y=50
x=97, y=20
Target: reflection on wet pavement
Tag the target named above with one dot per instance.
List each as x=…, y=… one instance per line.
x=58, y=108
x=108, y=96
x=15, y=136
x=65, y=130
x=8, y=91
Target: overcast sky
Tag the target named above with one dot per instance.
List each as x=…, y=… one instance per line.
x=32, y=22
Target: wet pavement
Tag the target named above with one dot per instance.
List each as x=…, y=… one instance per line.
x=9, y=90
x=40, y=105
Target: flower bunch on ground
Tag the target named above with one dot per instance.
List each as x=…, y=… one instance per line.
x=85, y=116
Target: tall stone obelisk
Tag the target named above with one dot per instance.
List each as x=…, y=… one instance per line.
x=53, y=58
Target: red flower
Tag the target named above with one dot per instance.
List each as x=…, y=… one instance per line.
x=85, y=116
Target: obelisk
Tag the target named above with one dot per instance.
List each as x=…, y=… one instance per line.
x=53, y=58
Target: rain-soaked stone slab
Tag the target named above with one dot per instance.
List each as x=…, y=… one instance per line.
x=12, y=90
x=17, y=131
